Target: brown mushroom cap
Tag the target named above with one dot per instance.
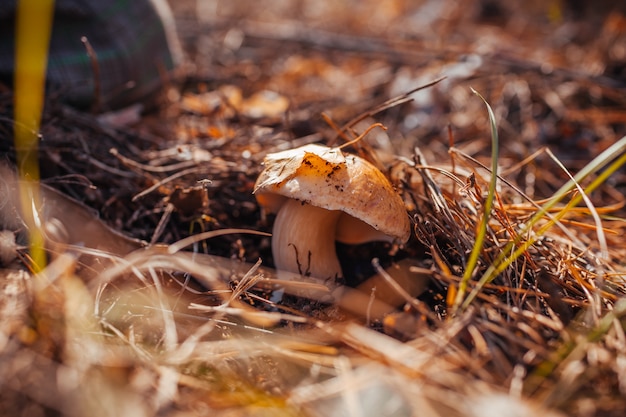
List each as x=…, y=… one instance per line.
x=327, y=178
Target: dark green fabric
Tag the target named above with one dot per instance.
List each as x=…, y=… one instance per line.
x=134, y=40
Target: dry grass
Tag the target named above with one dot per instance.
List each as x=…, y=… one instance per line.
x=192, y=324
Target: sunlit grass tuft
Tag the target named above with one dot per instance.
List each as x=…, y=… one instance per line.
x=515, y=248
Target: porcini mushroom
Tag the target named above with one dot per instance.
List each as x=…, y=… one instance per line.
x=321, y=195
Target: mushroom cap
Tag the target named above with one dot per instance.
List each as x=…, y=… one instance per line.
x=327, y=178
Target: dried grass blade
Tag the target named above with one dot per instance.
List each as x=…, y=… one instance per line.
x=569, y=353
x=604, y=250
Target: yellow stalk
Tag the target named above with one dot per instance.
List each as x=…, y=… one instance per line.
x=34, y=23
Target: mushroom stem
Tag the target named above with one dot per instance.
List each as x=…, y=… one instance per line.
x=303, y=240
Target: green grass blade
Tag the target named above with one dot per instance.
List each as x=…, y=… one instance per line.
x=484, y=220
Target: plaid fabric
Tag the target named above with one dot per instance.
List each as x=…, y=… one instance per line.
x=134, y=40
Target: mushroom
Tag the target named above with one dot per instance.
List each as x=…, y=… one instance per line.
x=321, y=195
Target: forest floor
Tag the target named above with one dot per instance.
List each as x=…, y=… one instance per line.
x=143, y=319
